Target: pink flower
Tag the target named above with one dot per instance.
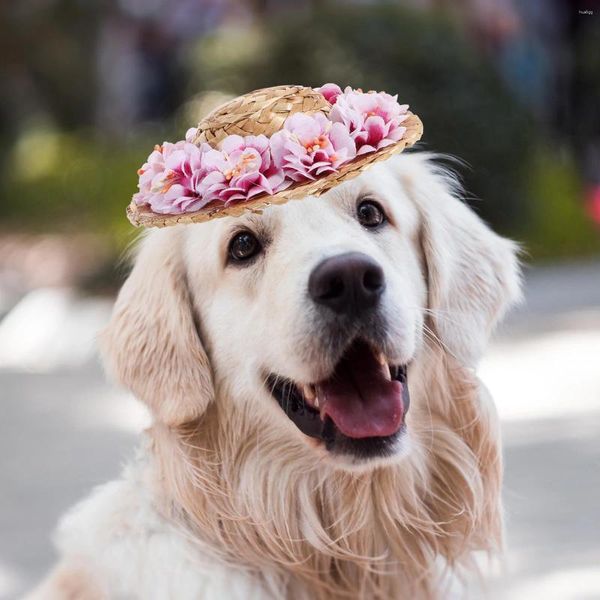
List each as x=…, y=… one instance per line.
x=373, y=118
x=169, y=179
x=183, y=177
x=310, y=146
x=331, y=91
x=240, y=170
x=190, y=134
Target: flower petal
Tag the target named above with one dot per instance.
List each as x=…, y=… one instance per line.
x=331, y=91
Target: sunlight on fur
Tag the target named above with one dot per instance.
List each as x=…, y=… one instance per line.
x=231, y=499
x=337, y=534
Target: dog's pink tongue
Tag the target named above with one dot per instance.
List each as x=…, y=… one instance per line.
x=359, y=398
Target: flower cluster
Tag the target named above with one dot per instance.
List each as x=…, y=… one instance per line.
x=184, y=177
x=372, y=119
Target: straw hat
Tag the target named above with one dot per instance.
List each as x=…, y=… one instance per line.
x=264, y=112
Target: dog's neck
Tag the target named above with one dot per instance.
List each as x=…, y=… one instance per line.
x=309, y=530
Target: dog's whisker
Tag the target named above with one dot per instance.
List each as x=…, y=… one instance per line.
x=431, y=335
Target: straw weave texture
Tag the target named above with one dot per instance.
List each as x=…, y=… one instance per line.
x=264, y=112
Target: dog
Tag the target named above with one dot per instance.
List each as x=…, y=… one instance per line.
x=318, y=427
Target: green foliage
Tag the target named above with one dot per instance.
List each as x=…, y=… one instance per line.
x=466, y=109
x=49, y=52
x=80, y=181
x=559, y=226
x=55, y=181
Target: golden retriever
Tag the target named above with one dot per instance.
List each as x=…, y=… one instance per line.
x=319, y=431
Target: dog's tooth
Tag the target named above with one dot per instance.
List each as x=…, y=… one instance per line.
x=387, y=369
x=312, y=395
x=309, y=392
x=319, y=403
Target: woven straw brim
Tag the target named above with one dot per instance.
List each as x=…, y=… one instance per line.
x=143, y=216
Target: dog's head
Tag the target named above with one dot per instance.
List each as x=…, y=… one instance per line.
x=313, y=316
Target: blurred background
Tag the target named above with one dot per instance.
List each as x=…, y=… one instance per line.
x=88, y=87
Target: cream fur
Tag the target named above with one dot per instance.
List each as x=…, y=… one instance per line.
x=230, y=500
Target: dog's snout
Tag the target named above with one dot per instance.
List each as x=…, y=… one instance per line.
x=347, y=283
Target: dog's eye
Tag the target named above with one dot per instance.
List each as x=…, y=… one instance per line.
x=243, y=246
x=370, y=214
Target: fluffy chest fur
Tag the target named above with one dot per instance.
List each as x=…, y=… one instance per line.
x=318, y=532
x=203, y=515
x=117, y=545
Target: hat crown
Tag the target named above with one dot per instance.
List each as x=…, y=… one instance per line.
x=263, y=111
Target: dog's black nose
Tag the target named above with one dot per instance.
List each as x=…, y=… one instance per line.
x=347, y=283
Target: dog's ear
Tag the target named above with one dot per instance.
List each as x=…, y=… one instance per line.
x=473, y=274
x=152, y=344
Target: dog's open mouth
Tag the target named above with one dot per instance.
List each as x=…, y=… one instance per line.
x=363, y=399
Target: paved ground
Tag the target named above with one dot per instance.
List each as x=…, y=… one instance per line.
x=63, y=430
